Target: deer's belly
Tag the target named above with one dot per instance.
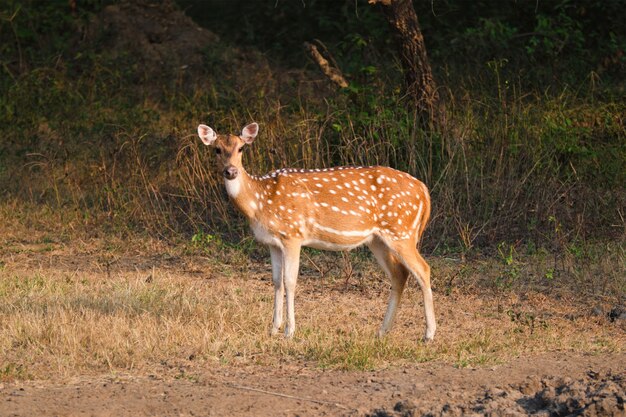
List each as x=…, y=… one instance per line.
x=336, y=245
x=316, y=236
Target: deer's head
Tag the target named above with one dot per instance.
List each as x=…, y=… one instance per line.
x=228, y=148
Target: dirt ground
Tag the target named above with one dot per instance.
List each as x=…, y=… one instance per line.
x=551, y=384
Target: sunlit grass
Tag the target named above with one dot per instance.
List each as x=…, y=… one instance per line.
x=54, y=321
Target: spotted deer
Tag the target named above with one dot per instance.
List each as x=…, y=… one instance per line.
x=334, y=209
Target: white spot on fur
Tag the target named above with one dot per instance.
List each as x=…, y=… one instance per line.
x=415, y=225
x=347, y=233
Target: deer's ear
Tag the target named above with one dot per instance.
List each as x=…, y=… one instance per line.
x=249, y=132
x=207, y=135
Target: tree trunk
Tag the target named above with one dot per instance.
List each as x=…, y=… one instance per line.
x=420, y=84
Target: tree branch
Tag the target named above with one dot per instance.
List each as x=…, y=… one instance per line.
x=333, y=73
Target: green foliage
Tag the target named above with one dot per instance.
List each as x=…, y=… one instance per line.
x=553, y=34
x=510, y=266
x=11, y=371
x=201, y=239
x=36, y=30
x=526, y=321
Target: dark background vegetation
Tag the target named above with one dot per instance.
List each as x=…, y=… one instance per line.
x=99, y=102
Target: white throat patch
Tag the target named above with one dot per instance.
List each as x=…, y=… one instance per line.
x=233, y=187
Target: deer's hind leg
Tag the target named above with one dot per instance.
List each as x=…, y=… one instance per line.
x=409, y=256
x=398, y=275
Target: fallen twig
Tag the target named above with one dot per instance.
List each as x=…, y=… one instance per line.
x=293, y=397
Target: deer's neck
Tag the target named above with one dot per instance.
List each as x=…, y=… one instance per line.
x=242, y=191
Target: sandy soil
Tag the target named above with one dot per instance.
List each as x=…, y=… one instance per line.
x=553, y=384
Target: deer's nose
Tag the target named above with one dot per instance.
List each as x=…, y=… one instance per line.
x=231, y=172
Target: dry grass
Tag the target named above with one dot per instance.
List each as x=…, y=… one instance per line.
x=110, y=305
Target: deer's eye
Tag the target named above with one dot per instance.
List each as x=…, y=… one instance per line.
x=241, y=149
x=218, y=151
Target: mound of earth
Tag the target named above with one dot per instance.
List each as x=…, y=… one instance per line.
x=156, y=44
x=590, y=396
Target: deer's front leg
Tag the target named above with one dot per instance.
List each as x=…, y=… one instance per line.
x=279, y=288
x=291, y=264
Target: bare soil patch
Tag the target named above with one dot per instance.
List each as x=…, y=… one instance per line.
x=550, y=384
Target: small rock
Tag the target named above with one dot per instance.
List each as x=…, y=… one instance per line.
x=405, y=407
x=617, y=313
x=451, y=411
x=597, y=311
x=380, y=412
x=548, y=394
x=531, y=387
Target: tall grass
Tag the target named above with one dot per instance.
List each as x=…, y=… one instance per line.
x=91, y=132
x=509, y=165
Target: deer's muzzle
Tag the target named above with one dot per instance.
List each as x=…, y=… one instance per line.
x=230, y=172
